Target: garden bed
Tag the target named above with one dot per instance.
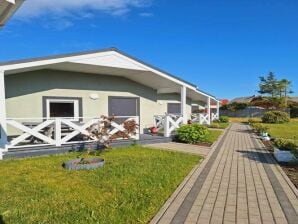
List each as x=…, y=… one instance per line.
x=284, y=132
x=131, y=187
x=210, y=139
x=291, y=171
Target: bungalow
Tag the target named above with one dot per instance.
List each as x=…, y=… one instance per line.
x=73, y=90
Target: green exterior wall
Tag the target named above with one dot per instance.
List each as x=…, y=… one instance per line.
x=24, y=94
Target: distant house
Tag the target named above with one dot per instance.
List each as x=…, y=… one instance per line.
x=249, y=99
x=243, y=99
x=7, y=9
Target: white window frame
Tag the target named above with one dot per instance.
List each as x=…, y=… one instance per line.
x=74, y=101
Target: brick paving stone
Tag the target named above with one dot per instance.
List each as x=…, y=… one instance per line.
x=240, y=183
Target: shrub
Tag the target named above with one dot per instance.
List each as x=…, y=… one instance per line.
x=275, y=117
x=294, y=111
x=224, y=119
x=253, y=120
x=260, y=128
x=234, y=106
x=192, y=133
x=288, y=145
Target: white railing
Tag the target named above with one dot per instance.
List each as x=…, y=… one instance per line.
x=214, y=116
x=159, y=121
x=59, y=131
x=201, y=118
x=168, y=122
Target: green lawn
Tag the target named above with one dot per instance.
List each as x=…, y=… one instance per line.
x=213, y=135
x=242, y=119
x=132, y=186
x=219, y=125
x=287, y=131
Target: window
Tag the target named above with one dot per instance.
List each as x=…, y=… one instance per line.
x=62, y=107
x=174, y=108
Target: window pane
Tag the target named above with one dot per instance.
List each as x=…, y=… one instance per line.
x=174, y=108
x=62, y=109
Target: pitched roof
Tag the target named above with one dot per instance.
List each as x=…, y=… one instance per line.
x=243, y=99
x=99, y=51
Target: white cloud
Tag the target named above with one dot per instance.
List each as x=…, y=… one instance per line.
x=146, y=14
x=65, y=8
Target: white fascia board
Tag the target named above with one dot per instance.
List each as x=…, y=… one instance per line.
x=43, y=62
x=92, y=56
x=158, y=72
x=111, y=59
x=11, y=1
x=89, y=59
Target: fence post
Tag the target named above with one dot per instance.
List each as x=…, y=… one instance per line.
x=167, y=127
x=58, y=131
x=138, y=129
x=3, y=126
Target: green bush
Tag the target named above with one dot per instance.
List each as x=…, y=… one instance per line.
x=192, y=133
x=288, y=145
x=253, y=120
x=276, y=117
x=260, y=128
x=234, y=106
x=285, y=144
x=294, y=111
x=224, y=119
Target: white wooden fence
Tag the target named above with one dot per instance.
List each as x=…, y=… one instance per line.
x=214, y=116
x=201, y=118
x=52, y=131
x=168, y=122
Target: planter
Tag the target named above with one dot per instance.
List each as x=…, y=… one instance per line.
x=87, y=164
x=264, y=136
x=283, y=155
x=153, y=130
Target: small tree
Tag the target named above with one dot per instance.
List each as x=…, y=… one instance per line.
x=277, y=89
x=268, y=85
x=284, y=87
x=101, y=130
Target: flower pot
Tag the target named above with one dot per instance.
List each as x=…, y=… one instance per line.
x=89, y=164
x=283, y=155
x=153, y=130
x=264, y=134
x=265, y=138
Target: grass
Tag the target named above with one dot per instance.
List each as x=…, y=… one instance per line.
x=242, y=119
x=286, y=131
x=213, y=136
x=219, y=125
x=130, y=188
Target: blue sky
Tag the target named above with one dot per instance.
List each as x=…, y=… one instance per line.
x=221, y=46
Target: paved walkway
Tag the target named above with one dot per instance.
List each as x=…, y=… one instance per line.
x=238, y=182
x=180, y=147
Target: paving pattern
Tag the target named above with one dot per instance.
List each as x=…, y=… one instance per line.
x=238, y=182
